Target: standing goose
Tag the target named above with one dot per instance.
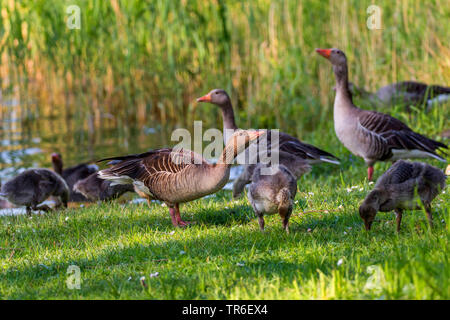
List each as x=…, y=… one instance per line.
x=404, y=93
x=287, y=143
x=372, y=135
x=73, y=174
x=178, y=176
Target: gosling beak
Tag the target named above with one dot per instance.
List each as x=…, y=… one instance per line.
x=205, y=98
x=324, y=52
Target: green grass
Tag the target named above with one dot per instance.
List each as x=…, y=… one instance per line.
x=327, y=255
x=143, y=62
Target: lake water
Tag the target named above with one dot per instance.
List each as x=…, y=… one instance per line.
x=29, y=134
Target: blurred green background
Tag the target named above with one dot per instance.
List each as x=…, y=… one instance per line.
x=131, y=73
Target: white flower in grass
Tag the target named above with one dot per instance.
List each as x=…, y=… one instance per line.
x=67, y=218
x=340, y=261
x=163, y=205
x=142, y=278
x=345, y=233
x=129, y=278
x=349, y=190
x=240, y=264
x=154, y=275
x=341, y=207
x=309, y=230
x=182, y=252
x=371, y=183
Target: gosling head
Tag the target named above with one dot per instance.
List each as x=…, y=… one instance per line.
x=57, y=162
x=370, y=206
x=218, y=97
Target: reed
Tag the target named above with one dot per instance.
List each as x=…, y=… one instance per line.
x=141, y=61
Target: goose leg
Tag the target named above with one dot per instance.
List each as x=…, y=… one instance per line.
x=180, y=222
x=398, y=213
x=370, y=173
x=173, y=217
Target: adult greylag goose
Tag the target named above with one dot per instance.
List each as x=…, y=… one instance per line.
x=33, y=186
x=287, y=143
x=178, y=175
x=94, y=188
x=405, y=185
x=372, y=135
x=73, y=174
x=404, y=93
x=273, y=191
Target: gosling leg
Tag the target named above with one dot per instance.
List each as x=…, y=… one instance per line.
x=261, y=222
x=429, y=215
x=398, y=213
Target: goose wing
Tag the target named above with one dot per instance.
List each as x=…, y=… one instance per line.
x=292, y=145
x=151, y=169
x=385, y=133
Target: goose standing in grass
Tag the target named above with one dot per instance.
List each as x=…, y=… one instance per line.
x=405, y=185
x=73, y=174
x=274, y=191
x=372, y=135
x=404, y=93
x=178, y=176
x=287, y=143
x=94, y=188
x=33, y=186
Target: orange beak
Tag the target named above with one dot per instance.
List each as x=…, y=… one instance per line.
x=324, y=52
x=205, y=98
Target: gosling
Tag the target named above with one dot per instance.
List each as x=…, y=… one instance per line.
x=94, y=188
x=405, y=185
x=33, y=186
x=274, y=192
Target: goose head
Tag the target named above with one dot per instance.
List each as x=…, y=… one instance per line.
x=57, y=162
x=218, y=97
x=370, y=206
x=238, y=142
x=334, y=55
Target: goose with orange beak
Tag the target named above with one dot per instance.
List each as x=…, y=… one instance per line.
x=287, y=143
x=371, y=135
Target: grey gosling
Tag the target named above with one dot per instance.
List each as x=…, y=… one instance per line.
x=73, y=174
x=298, y=166
x=274, y=191
x=34, y=186
x=405, y=185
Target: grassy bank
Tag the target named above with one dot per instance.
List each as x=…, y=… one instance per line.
x=328, y=255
